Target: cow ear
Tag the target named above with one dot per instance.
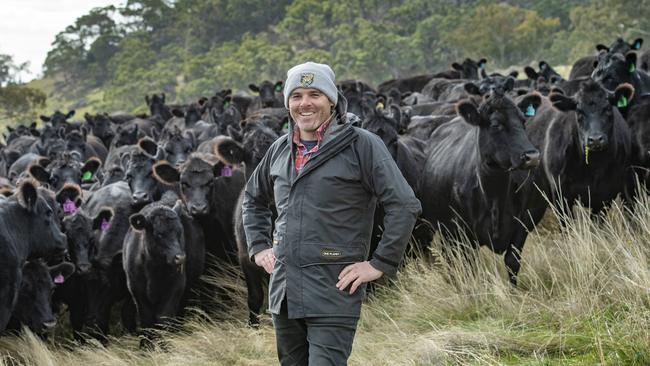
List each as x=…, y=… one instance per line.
x=529, y=104
x=514, y=73
x=457, y=66
x=234, y=133
x=509, y=84
x=630, y=59
x=178, y=113
x=28, y=194
x=165, y=173
x=253, y=88
x=602, y=48
x=469, y=113
x=562, y=102
x=622, y=96
x=148, y=145
x=61, y=272
x=39, y=173
x=636, y=45
x=556, y=90
x=481, y=63
x=90, y=167
x=472, y=88
x=70, y=114
x=45, y=118
x=103, y=218
x=70, y=191
x=229, y=151
x=147, y=100
x=138, y=221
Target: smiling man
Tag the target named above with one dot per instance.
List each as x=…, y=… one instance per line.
x=324, y=178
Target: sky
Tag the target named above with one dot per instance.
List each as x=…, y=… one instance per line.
x=28, y=27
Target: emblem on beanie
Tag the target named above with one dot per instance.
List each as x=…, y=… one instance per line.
x=306, y=79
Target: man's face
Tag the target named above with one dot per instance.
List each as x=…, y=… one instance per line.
x=309, y=108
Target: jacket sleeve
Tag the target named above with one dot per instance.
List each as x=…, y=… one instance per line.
x=256, y=207
x=401, y=207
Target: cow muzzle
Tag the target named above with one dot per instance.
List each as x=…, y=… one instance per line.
x=597, y=142
x=529, y=159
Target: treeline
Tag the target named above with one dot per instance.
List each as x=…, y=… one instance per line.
x=190, y=48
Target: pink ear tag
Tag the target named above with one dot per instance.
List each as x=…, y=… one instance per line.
x=226, y=171
x=69, y=207
x=59, y=279
x=105, y=225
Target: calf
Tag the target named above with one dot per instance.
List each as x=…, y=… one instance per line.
x=466, y=185
x=158, y=263
x=28, y=229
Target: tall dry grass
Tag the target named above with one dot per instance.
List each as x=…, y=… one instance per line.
x=583, y=298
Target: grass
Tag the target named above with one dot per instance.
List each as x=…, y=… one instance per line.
x=583, y=299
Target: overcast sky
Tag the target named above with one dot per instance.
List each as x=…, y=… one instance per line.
x=28, y=27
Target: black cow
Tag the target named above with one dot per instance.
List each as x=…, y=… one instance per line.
x=101, y=126
x=467, y=184
x=644, y=61
x=585, y=145
x=269, y=96
x=249, y=151
x=161, y=261
x=33, y=307
x=407, y=84
x=157, y=106
x=28, y=229
x=174, y=145
x=613, y=69
x=58, y=118
x=585, y=65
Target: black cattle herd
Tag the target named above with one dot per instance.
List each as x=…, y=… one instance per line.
x=122, y=213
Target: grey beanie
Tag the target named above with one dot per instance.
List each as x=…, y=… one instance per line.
x=311, y=75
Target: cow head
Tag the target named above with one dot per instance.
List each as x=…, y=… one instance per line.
x=163, y=234
x=65, y=169
x=384, y=123
x=269, y=92
x=125, y=135
x=157, y=106
x=33, y=307
x=594, y=113
x=177, y=145
x=138, y=175
x=503, y=143
x=612, y=69
x=469, y=69
x=57, y=119
x=38, y=220
x=102, y=127
x=255, y=139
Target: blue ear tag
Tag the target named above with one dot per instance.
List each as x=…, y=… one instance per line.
x=632, y=68
x=278, y=88
x=530, y=111
x=637, y=46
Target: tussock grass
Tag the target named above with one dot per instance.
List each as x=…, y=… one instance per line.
x=583, y=298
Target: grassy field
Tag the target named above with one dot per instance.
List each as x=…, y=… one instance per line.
x=583, y=299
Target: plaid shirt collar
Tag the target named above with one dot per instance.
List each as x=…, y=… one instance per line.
x=302, y=155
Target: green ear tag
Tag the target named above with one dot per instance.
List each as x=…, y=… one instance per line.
x=530, y=111
x=87, y=176
x=278, y=88
x=632, y=68
x=285, y=126
x=226, y=104
x=587, y=155
x=622, y=102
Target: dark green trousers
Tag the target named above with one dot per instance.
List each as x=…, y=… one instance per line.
x=313, y=341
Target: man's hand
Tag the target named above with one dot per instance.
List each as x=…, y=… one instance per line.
x=360, y=273
x=265, y=259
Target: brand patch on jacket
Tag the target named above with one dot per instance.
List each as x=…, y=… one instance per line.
x=330, y=253
x=306, y=79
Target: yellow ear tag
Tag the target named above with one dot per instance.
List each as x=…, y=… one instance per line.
x=587, y=155
x=380, y=105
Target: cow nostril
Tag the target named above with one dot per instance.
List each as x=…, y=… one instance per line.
x=179, y=259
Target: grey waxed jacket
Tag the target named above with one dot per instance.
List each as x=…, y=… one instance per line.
x=325, y=217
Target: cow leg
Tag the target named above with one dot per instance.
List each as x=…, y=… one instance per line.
x=128, y=315
x=254, y=281
x=8, y=294
x=512, y=257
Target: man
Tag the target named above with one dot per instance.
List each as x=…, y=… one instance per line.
x=324, y=178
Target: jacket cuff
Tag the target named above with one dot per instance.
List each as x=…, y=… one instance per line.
x=256, y=249
x=387, y=268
